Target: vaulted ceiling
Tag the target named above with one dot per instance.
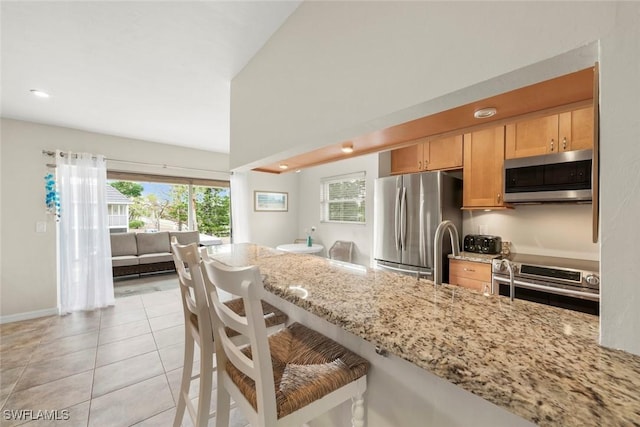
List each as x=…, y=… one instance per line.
x=158, y=71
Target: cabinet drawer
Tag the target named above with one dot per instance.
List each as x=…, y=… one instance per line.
x=478, y=285
x=470, y=270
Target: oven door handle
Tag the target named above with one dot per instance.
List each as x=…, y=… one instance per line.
x=550, y=289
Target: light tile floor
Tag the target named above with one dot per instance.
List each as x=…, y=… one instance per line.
x=119, y=366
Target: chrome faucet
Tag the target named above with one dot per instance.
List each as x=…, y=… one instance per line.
x=437, y=243
x=512, y=286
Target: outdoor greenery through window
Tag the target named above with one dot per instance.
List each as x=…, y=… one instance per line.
x=159, y=207
x=343, y=198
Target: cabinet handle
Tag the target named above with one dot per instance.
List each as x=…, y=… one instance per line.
x=469, y=269
x=564, y=143
x=499, y=196
x=419, y=165
x=552, y=142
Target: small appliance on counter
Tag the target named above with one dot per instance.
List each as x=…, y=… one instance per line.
x=482, y=244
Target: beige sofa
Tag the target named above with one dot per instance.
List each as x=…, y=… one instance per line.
x=136, y=253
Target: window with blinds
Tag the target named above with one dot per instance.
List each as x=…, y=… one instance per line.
x=342, y=198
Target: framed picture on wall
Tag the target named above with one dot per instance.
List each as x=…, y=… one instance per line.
x=270, y=201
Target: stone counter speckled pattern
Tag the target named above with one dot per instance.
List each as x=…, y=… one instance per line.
x=473, y=257
x=540, y=362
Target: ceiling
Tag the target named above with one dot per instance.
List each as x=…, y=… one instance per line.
x=157, y=71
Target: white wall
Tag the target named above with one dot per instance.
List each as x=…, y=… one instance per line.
x=620, y=181
x=336, y=70
x=309, y=206
x=561, y=230
x=272, y=228
x=28, y=261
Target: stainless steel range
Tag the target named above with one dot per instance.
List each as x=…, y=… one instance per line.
x=564, y=282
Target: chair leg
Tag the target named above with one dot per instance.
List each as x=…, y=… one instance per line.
x=186, y=380
x=222, y=404
x=206, y=383
x=357, y=411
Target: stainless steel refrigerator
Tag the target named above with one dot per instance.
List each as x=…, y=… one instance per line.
x=407, y=211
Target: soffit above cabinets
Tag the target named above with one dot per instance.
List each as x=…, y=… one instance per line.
x=561, y=93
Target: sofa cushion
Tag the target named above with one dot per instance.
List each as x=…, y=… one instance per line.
x=153, y=243
x=123, y=244
x=185, y=237
x=124, y=260
x=157, y=257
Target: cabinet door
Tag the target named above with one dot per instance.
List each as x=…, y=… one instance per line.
x=532, y=137
x=444, y=153
x=576, y=129
x=482, y=170
x=407, y=159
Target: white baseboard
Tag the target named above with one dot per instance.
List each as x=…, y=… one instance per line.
x=28, y=315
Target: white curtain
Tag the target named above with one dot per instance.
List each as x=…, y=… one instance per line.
x=86, y=280
x=240, y=207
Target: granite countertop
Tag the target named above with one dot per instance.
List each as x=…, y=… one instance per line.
x=471, y=256
x=542, y=363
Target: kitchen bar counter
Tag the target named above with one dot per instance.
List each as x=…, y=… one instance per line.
x=539, y=362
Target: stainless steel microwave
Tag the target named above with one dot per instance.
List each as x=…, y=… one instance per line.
x=560, y=177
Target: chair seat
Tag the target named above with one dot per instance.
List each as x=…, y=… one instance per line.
x=306, y=367
x=273, y=316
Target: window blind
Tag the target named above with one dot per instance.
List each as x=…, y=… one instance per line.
x=342, y=198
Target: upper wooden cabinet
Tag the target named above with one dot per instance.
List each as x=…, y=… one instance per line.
x=482, y=172
x=407, y=159
x=443, y=153
x=568, y=131
x=428, y=155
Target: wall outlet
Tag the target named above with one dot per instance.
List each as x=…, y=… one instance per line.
x=41, y=227
x=483, y=229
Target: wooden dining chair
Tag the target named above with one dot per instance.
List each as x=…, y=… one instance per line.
x=198, y=329
x=284, y=379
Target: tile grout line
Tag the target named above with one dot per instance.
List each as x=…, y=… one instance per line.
x=93, y=374
x=166, y=373
x=24, y=368
x=163, y=369
x=96, y=346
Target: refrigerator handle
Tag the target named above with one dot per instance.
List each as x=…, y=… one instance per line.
x=397, y=220
x=403, y=218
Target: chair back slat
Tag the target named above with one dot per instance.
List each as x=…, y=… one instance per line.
x=236, y=356
x=230, y=318
x=246, y=283
x=192, y=290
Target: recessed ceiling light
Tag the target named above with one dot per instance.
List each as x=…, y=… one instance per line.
x=283, y=166
x=347, y=148
x=484, y=113
x=39, y=93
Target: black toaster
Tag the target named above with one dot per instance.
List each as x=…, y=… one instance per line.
x=482, y=244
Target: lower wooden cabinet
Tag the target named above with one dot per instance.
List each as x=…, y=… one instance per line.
x=469, y=274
